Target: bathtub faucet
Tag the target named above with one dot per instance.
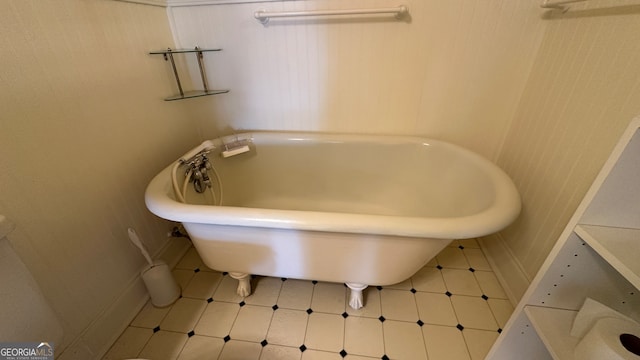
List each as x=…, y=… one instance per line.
x=198, y=167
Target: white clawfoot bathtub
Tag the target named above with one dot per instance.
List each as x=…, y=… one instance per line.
x=363, y=210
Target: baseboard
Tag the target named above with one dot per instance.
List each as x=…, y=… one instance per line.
x=506, y=266
x=97, y=338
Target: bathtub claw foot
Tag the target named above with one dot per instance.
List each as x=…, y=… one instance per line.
x=355, y=297
x=244, y=283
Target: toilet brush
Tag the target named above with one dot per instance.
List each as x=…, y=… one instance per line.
x=133, y=236
x=157, y=277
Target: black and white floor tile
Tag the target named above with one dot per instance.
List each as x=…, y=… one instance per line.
x=452, y=309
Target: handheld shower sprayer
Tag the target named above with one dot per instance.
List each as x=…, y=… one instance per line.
x=197, y=171
x=206, y=147
x=198, y=165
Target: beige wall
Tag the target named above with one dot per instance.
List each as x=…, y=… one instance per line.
x=455, y=72
x=582, y=92
x=83, y=128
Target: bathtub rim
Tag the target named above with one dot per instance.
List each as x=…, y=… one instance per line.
x=503, y=211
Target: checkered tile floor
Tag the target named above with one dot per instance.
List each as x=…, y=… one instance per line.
x=453, y=308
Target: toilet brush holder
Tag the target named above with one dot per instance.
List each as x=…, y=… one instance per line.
x=160, y=283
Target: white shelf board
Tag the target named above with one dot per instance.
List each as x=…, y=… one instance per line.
x=620, y=247
x=554, y=327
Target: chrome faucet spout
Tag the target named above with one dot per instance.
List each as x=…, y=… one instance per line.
x=198, y=168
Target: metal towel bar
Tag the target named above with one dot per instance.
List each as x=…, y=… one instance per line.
x=264, y=16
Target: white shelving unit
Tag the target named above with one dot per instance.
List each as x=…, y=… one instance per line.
x=553, y=326
x=596, y=256
x=613, y=244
